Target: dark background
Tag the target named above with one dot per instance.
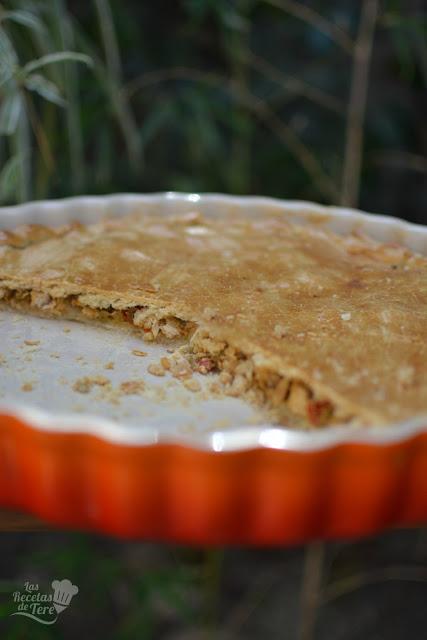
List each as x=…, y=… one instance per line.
x=320, y=100
x=238, y=96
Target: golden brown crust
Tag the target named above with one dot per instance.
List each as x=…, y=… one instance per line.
x=346, y=317
x=28, y=234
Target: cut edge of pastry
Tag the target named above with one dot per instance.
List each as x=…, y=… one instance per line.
x=243, y=372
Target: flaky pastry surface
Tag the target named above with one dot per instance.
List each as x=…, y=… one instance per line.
x=346, y=316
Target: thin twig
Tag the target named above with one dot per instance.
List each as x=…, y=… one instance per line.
x=311, y=587
x=259, y=590
x=401, y=159
x=41, y=137
x=316, y=20
x=306, y=158
x=296, y=85
x=258, y=107
x=357, y=104
x=240, y=147
x=49, y=116
x=420, y=47
x=111, y=47
x=112, y=57
x=151, y=78
x=70, y=84
x=420, y=547
x=213, y=565
x=21, y=145
x=359, y=580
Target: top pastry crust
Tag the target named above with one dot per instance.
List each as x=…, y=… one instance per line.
x=344, y=316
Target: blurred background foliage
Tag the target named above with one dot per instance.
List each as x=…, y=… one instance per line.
x=320, y=100
x=371, y=589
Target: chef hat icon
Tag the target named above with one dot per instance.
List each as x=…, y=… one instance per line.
x=63, y=592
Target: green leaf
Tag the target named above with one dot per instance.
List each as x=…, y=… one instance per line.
x=24, y=18
x=9, y=178
x=200, y=9
x=45, y=88
x=53, y=58
x=10, y=111
x=8, y=58
x=231, y=19
x=155, y=121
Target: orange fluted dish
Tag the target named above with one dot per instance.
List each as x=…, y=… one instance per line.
x=247, y=483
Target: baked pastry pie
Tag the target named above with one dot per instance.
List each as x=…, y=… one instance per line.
x=327, y=328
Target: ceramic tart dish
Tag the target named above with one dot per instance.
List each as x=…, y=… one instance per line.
x=177, y=466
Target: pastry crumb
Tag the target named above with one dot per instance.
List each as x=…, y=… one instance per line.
x=27, y=386
x=32, y=343
x=132, y=387
x=156, y=393
x=84, y=385
x=181, y=369
x=99, y=380
x=156, y=369
x=137, y=352
x=66, y=330
x=165, y=362
x=192, y=384
x=109, y=365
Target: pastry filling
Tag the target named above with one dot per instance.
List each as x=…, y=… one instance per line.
x=240, y=375
x=245, y=375
x=153, y=323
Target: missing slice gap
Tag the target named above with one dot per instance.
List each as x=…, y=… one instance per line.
x=240, y=374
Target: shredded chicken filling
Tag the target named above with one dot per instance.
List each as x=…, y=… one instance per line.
x=153, y=323
x=239, y=374
x=244, y=375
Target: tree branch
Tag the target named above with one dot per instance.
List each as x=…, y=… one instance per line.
x=310, y=590
x=113, y=65
x=316, y=20
x=296, y=85
x=357, y=104
x=359, y=580
x=258, y=107
x=401, y=160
